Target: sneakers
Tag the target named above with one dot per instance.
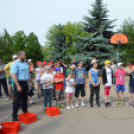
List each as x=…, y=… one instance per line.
x=117, y=103
x=62, y=106
x=130, y=103
x=58, y=106
x=98, y=105
x=72, y=106
x=109, y=103
x=68, y=107
x=15, y=119
x=91, y=105
x=77, y=105
x=122, y=102
x=106, y=104
x=32, y=102
x=83, y=104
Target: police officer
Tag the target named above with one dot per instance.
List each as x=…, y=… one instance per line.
x=20, y=74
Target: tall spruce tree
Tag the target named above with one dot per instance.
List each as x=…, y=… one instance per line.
x=98, y=45
x=59, y=46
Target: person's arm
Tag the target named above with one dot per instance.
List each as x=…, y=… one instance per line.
x=90, y=78
x=64, y=65
x=7, y=72
x=57, y=80
x=68, y=78
x=41, y=72
x=2, y=70
x=15, y=79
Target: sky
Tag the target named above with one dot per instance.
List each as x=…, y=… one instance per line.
x=39, y=15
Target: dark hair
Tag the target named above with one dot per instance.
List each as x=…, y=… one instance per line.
x=20, y=52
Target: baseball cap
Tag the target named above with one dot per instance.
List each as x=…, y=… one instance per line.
x=78, y=61
x=107, y=62
x=47, y=67
x=119, y=64
x=57, y=69
x=39, y=62
x=29, y=60
x=15, y=56
x=94, y=61
x=44, y=63
x=58, y=63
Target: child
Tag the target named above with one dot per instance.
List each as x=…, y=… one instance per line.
x=81, y=82
x=47, y=80
x=38, y=76
x=120, y=81
x=94, y=82
x=107, y=79
x=59, y=87
x=69, y=89
x=131, y=86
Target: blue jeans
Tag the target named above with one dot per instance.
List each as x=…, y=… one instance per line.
x=47, y=93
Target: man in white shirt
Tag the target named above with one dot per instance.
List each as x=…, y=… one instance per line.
x=47, y=80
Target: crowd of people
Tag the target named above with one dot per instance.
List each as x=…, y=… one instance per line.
x=55, y=80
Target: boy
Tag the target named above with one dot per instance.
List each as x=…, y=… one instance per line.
x=120, y=81
x=107, y=79
x=81, y=82
x=47, y=80
x=131, y=86
x=59, y=87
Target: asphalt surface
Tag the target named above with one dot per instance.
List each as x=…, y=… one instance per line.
x=113, y=120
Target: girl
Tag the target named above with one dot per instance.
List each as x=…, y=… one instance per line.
x=94, y=83
x=31, y=84
x=38, y=76
x=69, y=89
x=107, y=77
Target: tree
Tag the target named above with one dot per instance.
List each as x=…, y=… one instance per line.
x=19, y=39
x=97, y=45
x=6, y=47
x=59, y=47
x=127, y=28
x=33, y=48
x=69, y=29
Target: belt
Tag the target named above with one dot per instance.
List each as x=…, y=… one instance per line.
x=22, y=80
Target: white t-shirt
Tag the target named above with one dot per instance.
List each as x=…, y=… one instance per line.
x=69, y=89
x=47, y=77
x=109, y=77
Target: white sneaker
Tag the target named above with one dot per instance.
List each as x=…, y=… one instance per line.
x=77, y=105
x=31, y=102
x=83, y=104
x=68, y=107
x=72, y=106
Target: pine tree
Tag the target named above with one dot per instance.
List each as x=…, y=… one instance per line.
x=59, y=46
x=98, y=45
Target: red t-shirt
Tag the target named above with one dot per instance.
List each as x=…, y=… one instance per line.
x=59, y=85
x=131, y=66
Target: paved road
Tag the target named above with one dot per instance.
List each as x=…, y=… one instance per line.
x=77, y=121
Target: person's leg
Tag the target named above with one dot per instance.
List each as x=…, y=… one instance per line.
x=105, y=94
x=0, y=88
x=17, y=96
x=67, y=99
x=122, y=96
x=24, y=96
x=91, y=94
x=45, y=97
x=62, y=95
x=71, y=99
x=97, y=92
x=50, y=97
x=4, y=84
x=117, y=96
x=130, y=97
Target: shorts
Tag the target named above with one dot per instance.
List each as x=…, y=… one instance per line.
x=107, y=90
x=69, y=94
x=120, y=88
x=80, y=87
x=59, y=94
x=30, y=93
x=131, y=89
x=37, y=81
x=9, y=81
x=13, y=92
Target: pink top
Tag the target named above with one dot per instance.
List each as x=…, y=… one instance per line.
x=120, y=77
